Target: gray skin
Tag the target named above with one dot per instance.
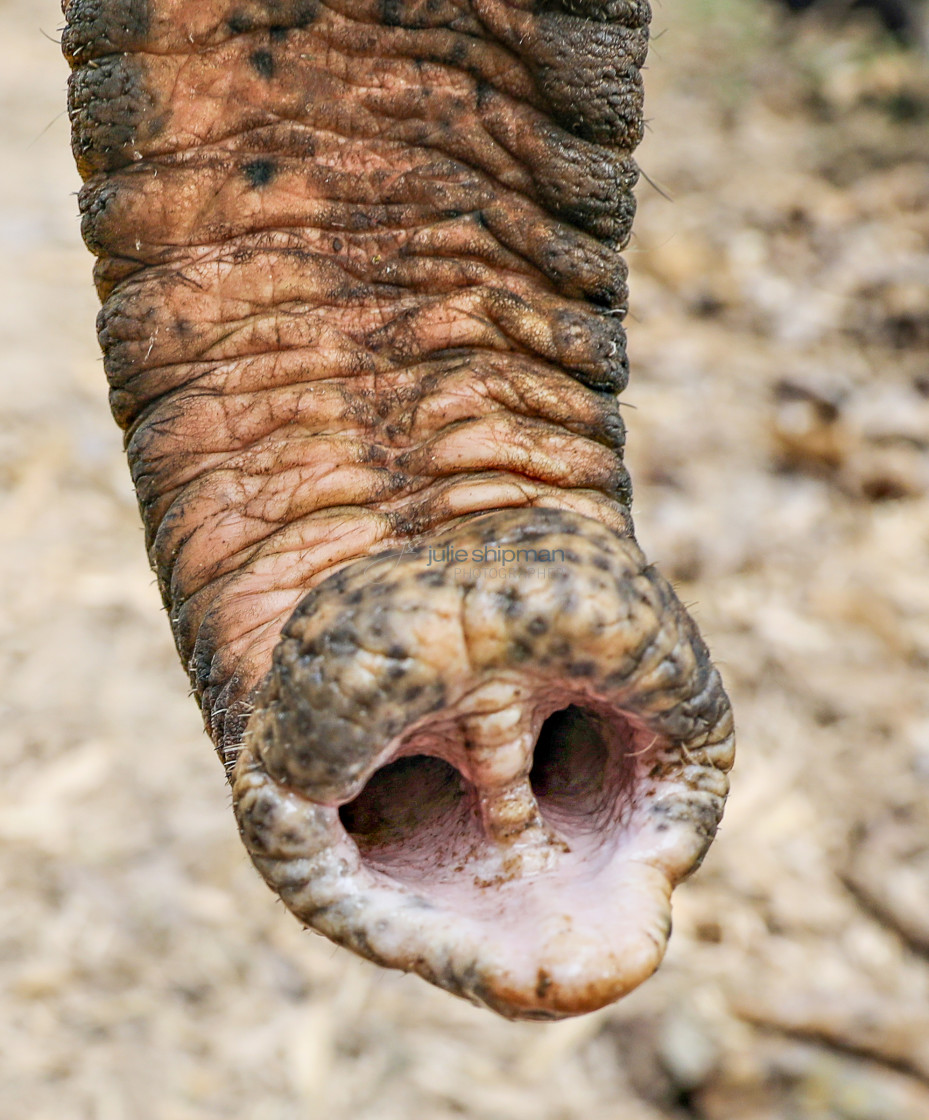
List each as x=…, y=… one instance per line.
x=362, y=303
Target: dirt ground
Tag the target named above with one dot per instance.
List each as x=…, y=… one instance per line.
x=779, y=420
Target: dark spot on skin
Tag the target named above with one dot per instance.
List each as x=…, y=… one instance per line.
x=581, y=669
x=358, y=940
x=278, y=34
x=616, y=679
x=260, y=172
x=543, y=983
x=391, y=12
x=538, y=626
x=263, y=63
x=360, y=220
x=396, y=653
x=369, y=701
x=306, y=13
x=261, y=821
x=458, y=53
x=447, y=979
x=430, y=579
x=239, y=24
x=412, y=693
x=342, y=642
x=337, y=244
x=513, y=607
x=396, y=671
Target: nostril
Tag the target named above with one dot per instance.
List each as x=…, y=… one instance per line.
x=580, y=768
x=402, y=799
x=570, y=755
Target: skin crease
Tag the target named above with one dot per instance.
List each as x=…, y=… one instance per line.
x=362, y=305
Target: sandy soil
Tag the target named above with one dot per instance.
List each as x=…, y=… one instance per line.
x=780, y=446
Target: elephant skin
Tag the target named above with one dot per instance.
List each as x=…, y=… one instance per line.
x=362, y=323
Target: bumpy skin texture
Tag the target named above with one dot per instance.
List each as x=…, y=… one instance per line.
x=362, y=303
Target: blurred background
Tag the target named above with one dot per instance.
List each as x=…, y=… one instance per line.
x=779, y=441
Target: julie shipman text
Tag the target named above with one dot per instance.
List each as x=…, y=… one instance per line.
x=491, y=555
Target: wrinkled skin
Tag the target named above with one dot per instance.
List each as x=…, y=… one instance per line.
x=362, y=302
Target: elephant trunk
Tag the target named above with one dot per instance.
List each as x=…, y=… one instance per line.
x=362, y=302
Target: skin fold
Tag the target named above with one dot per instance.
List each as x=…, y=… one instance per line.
x=362, y=323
